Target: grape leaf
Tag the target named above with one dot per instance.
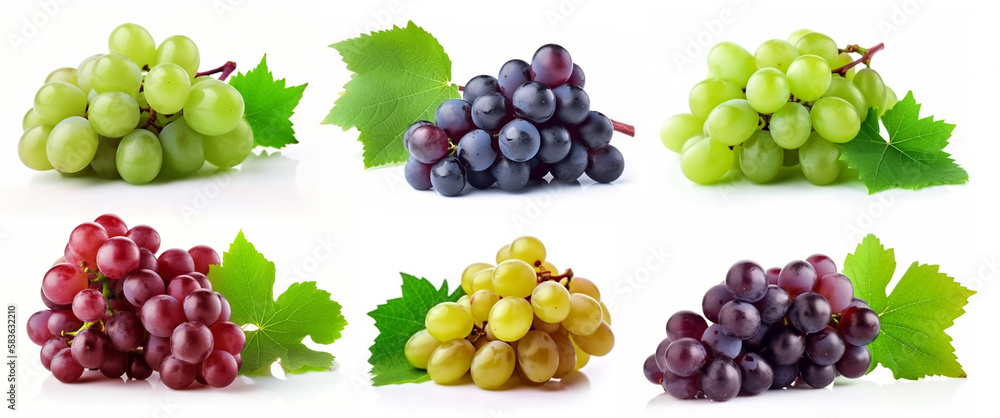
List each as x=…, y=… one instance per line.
x=246, y=279
x=912, y=158
x=911, y=342
x=269, y=105
x=400, y=76
x=397, y=320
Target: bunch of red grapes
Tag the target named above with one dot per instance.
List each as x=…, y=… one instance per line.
x=116, y=307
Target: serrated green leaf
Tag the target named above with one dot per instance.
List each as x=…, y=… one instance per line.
x=246, y=279
x=400, y=76
x=397, y=320
x=912, y=341
x=269, y=105
x=912, y=158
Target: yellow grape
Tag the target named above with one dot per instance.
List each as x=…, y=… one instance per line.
x=471, y=271
x=538, y=356
x=448, y=320
x=585, y=286
x=606, y=313
x=514, y=278
x=493, y=365
x=465, y=302
x=585, y=314
x=510, y=319
x=582, y=358
x=550, y=301
x=482, y=302
x=503, y=254
x=541, y=325
x=450, y=361
x=419, y=348
x=598, y=343
x=528, y=249
x=482, y=280
x=567, y=355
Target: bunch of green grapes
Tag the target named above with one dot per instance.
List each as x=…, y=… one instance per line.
x=516, y=318
x=137, y=113
x=785, y=105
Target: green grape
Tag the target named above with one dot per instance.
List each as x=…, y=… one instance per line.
x=113, y=114
x=510, y=319
x=761, y=158
x=139, y=157
x=134, y=42
x=692, y=141
x=31, y=148
x=493, y=365
x=732, y=122
x=538, y=356
x=469, y=273
x=706, y=161
x=483, y=280
x=31, y=118
x=809, y=77
x=448, y=321
x=581, y=285
x=606, y=312
x=71, y=144
x=678, y=129
x=84, y=71
x=419, y=347
x=790, y=125
x=514, y=278
x=797, y=35
x=180, y=50
x=167, y=88
x=482, y=303
x=450, y=361
x=213, y=107
x=528, y=249
x=791, y=157
x=567, y=355
x=114, y=72
x=65, y=74
x=731, y=62
x=550, y=302
x=141, y=100
x=183, y=149
x=775, y=53
x=835, y=119
x=582, y=358
x=820, y=160
x=105, y=163
x=890, y=99
x=843, y=59
x=840, y=87
x=465, y=302
x=229, y=149
x=767, y=90
x=711, y=92
x=585, y=314
x=816, y=43
x=59, y=100
x=503, y=254
x=871, y=85
x=598, y=343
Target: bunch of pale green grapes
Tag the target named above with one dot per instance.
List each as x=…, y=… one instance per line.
x=518, y=318
x=782, y=106
x=137, y=113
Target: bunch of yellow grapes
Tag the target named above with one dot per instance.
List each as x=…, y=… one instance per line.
x=519, y=317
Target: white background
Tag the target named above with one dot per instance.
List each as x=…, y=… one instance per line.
x=653, y=241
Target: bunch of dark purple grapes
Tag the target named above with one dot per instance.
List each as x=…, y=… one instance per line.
x=116, y=307
x=530, y=121
x=769, y=328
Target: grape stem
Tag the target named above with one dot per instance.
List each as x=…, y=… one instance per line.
x=866, y=57
x=546, y=275
x=224, y=71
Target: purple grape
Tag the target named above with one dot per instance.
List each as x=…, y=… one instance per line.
x=797, y=277
x=454, y=117
x=50, y=304
x=191, y=342
x=859, y=325
x=490, y=111
x=685, y=357
x=715, y=297
x=809, y=313
x=837, y=289
x=114, y=365
x=685, y=324
x=219, y=369
x=652, y=372
x=160, y=315
x=519, y=140
x=555, y=143
x=228, y=337
x=181, y=286
x=64, y=367
x=577, y=78
x=90, y=346
x=142, y=286
x=145, y=237
x=595, y=131
x=774, y=305
x=155, y=350
x=113, y=225
x=784, y=375
x=226, y=309
x=85, y=241
x=569, y=169
x=147, y=260
x=203, y=257
x=681, y=387
x=719, y=344
x=825, y=347
x=855, y=362
x=417, y=174
x=448, y=176
x=815, y=375
x=572, y=104
x=534, y=101
x=174, y=262
x=118, y=257
x=202, y=306
x=759, y=339
x=510, y=175
x=480, y=179
x=747, y=281
x=822, y=264
x=124, y=330
x=408, y=134
x=551, y=65
x=478, y=86
x=785, y=345
x=176, y=374
x=428, y=144
x=756, y=374
x=605, y=165
x=38, y=327
x=772, y=275
x=63, y=321
x=202, y=280
x=89, y=305
x=720, y=379
x=739, y=319
x=137, y=367
x=53, y=346
x=660, y=355
x=512, y=75
x=475, y=150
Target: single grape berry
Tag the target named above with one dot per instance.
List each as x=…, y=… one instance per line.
x=551, y=65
